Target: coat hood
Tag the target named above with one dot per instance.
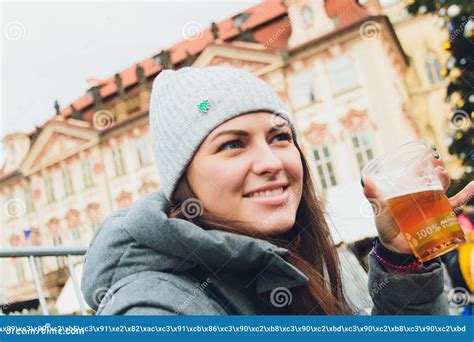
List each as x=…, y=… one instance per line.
x=142, y=238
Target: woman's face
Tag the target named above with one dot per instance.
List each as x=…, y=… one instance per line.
x=249, y=170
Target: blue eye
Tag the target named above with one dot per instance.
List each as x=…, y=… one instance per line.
x=286, y=136
x=230, y=143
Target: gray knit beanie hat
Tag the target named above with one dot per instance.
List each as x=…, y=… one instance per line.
x=187, y=104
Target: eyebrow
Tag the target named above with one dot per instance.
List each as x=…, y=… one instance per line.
x=240, y=132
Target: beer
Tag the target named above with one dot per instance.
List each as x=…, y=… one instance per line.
x=406, y=180
x=427, y=221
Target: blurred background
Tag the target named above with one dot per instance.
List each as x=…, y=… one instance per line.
x=359, y=78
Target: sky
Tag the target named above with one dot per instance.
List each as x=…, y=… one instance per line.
x=50, y=49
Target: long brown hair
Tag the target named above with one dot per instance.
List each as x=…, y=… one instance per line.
x=309, y=242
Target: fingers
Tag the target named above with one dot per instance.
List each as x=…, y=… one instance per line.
x=436, y=159
x=438, y=166
x=463, y=196
x=443, y=177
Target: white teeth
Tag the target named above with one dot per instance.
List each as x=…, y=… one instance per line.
x=267, y=193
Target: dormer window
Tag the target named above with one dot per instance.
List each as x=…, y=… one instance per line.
x=239, y=19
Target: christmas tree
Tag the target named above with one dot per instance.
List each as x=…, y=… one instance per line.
x=458, y=18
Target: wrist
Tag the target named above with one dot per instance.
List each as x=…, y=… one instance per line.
x=397, y=245
x=396, y=261
x=392, y=259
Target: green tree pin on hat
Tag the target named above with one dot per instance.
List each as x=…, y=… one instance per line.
x=203, y=106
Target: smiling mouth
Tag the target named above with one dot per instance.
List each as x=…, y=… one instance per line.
x=275, y=197
x=267, y=193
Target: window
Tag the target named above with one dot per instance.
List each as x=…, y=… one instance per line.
x=239, y=19
x=67, y=182
x=58, y=242
x=342, y=73
x=86, y=172
x=118, y=160
x=324, y=166
x=39, y=266
x=362, y=148
x=307, y=15
x=142, y=150
x=20, y=270
x=49, y=189
x=303, y=93
x=433, y=68
x=76, y=235
x=29, y=203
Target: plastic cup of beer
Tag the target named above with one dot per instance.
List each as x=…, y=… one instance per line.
x=406, y=180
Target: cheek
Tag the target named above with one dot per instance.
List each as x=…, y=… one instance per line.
x=221, y=180
x=293, y=165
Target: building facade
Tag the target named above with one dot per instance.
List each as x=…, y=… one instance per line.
x=350, y=75
x=422, y=39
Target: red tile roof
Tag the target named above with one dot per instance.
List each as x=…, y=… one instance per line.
x=265, y=19
x=347, y=12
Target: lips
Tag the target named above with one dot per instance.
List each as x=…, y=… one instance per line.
x=271, y=198
x=267, y=191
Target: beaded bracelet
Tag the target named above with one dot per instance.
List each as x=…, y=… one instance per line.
x=405, y=268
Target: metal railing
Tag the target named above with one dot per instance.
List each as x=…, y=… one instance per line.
x=35, y=252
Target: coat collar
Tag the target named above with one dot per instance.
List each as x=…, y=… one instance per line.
x=183, y=245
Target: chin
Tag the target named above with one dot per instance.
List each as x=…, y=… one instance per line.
x=277, y=227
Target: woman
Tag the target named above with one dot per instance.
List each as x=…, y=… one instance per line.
x=237, y=227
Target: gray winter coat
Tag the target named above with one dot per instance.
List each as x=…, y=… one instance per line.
x=140, y=262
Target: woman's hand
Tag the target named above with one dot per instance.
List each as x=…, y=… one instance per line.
x=388, y=230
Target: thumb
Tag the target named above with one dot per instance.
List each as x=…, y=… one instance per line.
x=463, y=196
x=373, y=196
x=369, y=189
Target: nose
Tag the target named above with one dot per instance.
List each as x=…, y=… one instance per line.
x=266, y=161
